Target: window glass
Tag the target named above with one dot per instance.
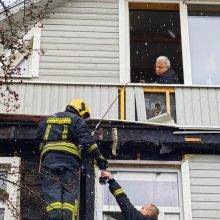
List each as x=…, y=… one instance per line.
x=2, y=212
x=154, y=32
x=204, y=36
x=155, y=104
x=157, y=188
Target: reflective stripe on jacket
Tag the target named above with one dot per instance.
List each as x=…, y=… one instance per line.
x=61, y=146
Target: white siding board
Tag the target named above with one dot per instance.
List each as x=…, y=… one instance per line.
x=80, y=40
x=81, y=47
x=213, y=107
x=207, y=215
x=196, y=106
x=205, y=186
x=205, y=166
x=79, y=66
x=96, y=102
x=91, y=4
x=206, y=205
x=80, y=22
x=205, y=181
x=179, y=106
x=204, y=173
x=66, y=53
x=62, y=97
x=97, y=60
x=140, y=104
x=85, y=73
x=113, y=112
x=218, y=104
x=37, y=98
x=85, y=34
x=88, y=92
x=77, y=29
x=87, y=16
x=130, y=106
x=85, y=41
x=104, y=101
x=206, y=189
x=102, y=11
x=206, y=197
x=201, y=158
x=77, y=78
x=205, y=107
x=188, y=102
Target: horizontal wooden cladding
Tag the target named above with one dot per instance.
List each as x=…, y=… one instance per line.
x=69, y=34
x=82, y=11
x=84, y=28
x=206, y=197
x=89, y=16
x=204, y=166
x=207, y=173
x=81, y=22
x=201, y=158
x=79, y=76
x=205, y=189
x=154, y=6
x=205, y=181
x=76, y=59
x=84, y=40
x=206, y=205
x=97, y=97
x=81, y=47
x=205, y=214
x=79, y=73
x=89, y=4
x=79, y=66
x=66, y=53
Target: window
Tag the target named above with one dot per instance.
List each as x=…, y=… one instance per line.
x=204, y=43
x=185, y=31
x=9, y=204
x=158, y=184
x=28, y=61
x=159, y=101
x=154, y=32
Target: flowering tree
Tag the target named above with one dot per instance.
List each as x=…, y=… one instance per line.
x=12, y=39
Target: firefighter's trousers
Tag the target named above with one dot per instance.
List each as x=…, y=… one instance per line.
x=60, y=185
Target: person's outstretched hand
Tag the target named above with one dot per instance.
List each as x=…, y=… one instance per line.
x=106, y=174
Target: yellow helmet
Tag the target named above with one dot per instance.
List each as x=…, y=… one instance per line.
x=80, y=106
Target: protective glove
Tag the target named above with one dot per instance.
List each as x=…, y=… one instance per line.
x=102, y=163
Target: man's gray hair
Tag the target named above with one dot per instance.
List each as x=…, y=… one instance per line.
x=163, y=59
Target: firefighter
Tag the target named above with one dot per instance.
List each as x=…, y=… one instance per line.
x=64, y=138
x=148, y=211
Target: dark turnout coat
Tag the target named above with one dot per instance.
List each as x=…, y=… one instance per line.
x=66, y=132
x=128, y=210
x=168, y=77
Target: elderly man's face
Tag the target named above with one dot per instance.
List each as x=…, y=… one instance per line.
x=161, y=67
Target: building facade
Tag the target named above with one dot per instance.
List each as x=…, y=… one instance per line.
x=99, y=50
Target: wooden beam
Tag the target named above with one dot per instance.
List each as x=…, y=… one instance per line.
x=154, y=6
x=159, y=89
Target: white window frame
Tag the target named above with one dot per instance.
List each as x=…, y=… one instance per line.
x=33, y=36
x=182, y=171
x=124, y=37
x=12, y=189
